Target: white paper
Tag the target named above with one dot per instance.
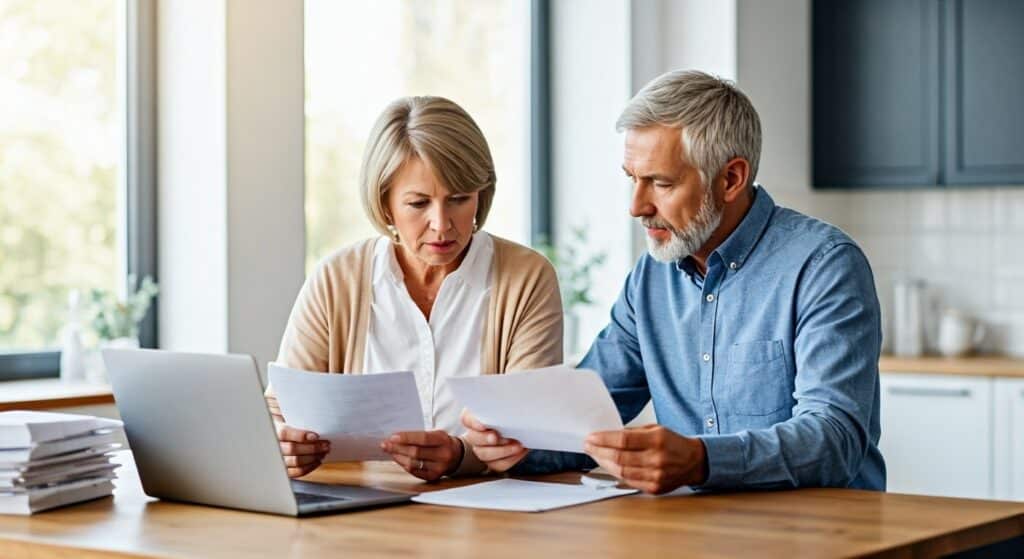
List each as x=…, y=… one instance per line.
x=102, y=438
x=519, y=495
x=354, y=412
x=545, y=409
x=22, y=429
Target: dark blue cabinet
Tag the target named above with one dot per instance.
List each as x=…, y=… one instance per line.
x=984, y=85
x=876, y=92
x=917, y=93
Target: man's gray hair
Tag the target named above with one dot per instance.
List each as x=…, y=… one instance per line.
x=718, y=121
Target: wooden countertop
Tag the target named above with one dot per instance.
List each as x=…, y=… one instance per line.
x=51, y=393
x=985, y=366
x=807, y=523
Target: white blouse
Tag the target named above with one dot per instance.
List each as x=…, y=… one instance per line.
x=449, y=345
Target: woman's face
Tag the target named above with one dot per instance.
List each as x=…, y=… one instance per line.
x=433, y=223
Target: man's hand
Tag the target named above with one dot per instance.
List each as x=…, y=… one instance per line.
x=425, y=454
x=490, y=447
x=302, y=450
x=650, y=458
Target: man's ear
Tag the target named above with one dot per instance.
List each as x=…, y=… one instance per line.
x=735, y=174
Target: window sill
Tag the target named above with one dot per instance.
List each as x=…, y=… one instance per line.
x=43, y=394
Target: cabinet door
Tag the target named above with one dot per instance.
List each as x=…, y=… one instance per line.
x=875, y=92
x=1009, y=439
x=937, y=434
x=984, y=77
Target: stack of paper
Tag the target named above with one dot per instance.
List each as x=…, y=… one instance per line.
x=52, y=459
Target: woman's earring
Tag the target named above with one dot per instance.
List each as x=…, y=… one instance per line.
x=394, y=233
x=475, y=227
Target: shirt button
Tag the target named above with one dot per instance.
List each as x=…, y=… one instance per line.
x=707, y=357
x=733, y=266
x=710, y=297
x=710, y=422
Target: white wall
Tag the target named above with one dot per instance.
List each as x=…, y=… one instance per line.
x=191, y=176
x=590, y=81
x=230, y=173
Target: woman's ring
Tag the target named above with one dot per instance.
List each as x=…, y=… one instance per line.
x=419, y=465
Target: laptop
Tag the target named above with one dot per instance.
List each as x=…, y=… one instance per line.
x=201, y=432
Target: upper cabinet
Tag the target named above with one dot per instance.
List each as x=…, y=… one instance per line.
x=876, y=92
x=918, y=93
x=984, y=89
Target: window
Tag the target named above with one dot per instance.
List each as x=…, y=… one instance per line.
x=69, y=173
x=362, y=55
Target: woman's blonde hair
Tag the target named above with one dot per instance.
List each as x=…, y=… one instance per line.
x=443, y=136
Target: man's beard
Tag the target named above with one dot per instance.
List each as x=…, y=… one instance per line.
x=689, y=240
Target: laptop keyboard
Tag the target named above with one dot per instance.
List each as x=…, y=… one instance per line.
x=310, y=498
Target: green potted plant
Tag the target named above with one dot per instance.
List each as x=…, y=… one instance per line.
x=576, y=267
x=115, y=321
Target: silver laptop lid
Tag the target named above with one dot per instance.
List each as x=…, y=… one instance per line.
x=199, y=429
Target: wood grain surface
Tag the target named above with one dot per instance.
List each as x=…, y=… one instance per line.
x=983, y=366
x=801, y=523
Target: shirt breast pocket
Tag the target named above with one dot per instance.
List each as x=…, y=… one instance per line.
x=757, y=381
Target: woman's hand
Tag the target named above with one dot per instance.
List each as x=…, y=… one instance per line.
x=490, y=447
x=425, y=454
x=302, y=450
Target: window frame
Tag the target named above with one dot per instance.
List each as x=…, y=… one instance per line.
x=541, y=214
x=138, y=183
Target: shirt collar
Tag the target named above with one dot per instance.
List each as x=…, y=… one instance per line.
x=741, y=242
x=474, y=269
x=738, y=246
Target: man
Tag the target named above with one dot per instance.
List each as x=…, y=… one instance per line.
x=754, y=329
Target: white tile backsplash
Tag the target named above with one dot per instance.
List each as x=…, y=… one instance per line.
x=1008, y=212
x=925, y=211
x=969, y=210
x=926, y=251
x=878, y=212
x=1004, y=332
x=967, y=244
x=885, y=250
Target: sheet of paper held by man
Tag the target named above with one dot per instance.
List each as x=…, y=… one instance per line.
x=354, y=412
x=546, y=409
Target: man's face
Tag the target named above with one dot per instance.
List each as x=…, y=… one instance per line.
x=670, y=200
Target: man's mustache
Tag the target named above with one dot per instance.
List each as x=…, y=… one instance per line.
x=656, y=223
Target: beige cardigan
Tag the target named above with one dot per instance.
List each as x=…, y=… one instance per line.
x=523, y=328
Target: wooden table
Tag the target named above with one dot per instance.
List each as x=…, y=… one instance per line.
x=805, y=523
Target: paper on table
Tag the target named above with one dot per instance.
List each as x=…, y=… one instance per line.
x=546, y=409
x=519, y=495
x=354, y=412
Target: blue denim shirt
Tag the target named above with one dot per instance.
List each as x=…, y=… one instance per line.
x=771, y=358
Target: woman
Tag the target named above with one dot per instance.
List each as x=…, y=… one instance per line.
x=434, y=294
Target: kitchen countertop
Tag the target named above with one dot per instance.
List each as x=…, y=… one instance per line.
x=980, y=366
